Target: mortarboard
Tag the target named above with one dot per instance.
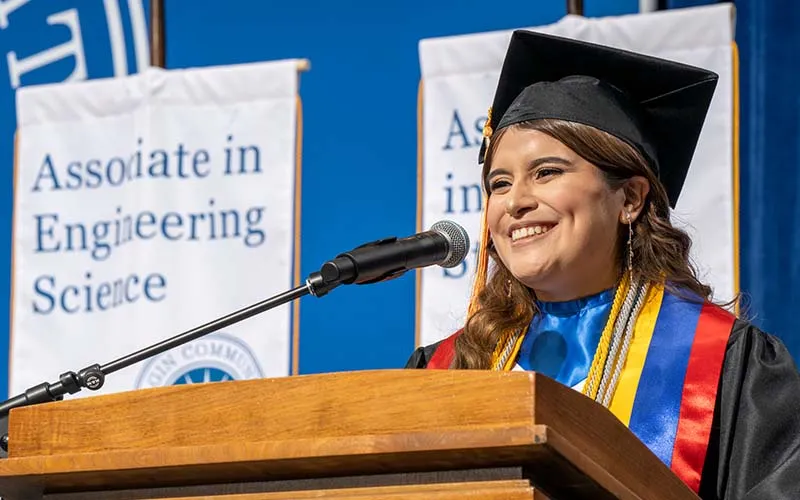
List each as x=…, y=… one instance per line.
x=655, y=105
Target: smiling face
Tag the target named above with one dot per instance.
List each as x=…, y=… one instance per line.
x=553, y=217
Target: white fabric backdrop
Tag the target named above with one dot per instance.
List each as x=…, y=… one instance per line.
x=146, y=206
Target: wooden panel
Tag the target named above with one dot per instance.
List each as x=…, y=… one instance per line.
x=499, y=490
x=427, y=481
x=306, y=458
x=288, y=408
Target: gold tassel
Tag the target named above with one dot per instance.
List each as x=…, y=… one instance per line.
x=487, y=126
x=482, y=266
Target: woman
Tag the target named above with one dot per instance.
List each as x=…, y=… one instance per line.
x=586, y=149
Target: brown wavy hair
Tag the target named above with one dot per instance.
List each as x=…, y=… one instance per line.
x=660, y=250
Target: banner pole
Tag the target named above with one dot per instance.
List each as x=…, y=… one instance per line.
x=157, y=37
x=648, y=6
x=575, y=7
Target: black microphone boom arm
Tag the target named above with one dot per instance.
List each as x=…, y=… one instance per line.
x=93, y=377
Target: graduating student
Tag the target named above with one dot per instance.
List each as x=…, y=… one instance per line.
x=585, y=151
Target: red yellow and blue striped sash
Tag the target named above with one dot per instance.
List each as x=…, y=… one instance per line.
x=668, y=387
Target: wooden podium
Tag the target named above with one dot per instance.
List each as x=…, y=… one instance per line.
x=398, y=434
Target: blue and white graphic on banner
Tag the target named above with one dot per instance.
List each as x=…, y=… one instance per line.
x=218, y=357
x=57, y=41
x=48, y=41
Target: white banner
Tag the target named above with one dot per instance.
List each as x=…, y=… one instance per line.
x=459, y=76
x=146, y=206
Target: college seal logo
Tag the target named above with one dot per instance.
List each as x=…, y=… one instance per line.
x=214, y=358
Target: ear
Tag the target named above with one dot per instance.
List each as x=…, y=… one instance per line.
x=636, y=190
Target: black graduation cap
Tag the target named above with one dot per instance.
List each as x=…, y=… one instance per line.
x=657, y=106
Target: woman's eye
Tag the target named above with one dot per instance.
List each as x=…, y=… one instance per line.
x=499, y=184
x=545, y=172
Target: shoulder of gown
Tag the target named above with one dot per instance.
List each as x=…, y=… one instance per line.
x=421, y=356
x=754, y=447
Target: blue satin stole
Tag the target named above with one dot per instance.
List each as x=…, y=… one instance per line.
x=562, y=339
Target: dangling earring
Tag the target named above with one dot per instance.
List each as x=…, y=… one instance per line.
x=508, y=288
x=630, y=244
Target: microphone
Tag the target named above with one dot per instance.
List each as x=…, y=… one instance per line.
x=446, y=244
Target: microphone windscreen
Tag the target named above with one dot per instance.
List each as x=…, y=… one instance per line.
x=458, y=239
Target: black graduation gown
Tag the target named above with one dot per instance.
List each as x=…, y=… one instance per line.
x=754, y=447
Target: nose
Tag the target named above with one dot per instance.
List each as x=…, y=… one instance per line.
x=520, y=201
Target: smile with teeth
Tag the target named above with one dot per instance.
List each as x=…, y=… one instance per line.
x=530, y=231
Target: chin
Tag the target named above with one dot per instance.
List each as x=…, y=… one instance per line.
x=532, y=277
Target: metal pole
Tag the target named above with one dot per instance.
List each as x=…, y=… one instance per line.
x=575, y=7
x=157, y=39
x=648, y=6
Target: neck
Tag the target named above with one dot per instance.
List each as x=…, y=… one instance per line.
x=564, y=292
